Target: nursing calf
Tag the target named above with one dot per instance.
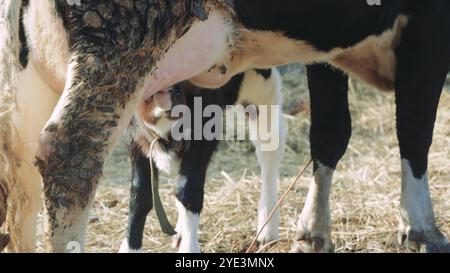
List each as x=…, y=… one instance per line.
x=100, y=59
x=253, y=89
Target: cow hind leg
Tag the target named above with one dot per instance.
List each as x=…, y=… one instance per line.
x=35, y=103
x=141, y=202
x=421, y=73
x=88, y=119
x=329, y=137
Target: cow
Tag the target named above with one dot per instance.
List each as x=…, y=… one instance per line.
x=91, y=63
x=154, y=119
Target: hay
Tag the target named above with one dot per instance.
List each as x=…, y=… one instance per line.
x=365, y=194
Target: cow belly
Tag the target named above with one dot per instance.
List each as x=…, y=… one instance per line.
x=262, y=50
x=372, y=60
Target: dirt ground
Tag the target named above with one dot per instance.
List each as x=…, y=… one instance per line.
x=365, y=195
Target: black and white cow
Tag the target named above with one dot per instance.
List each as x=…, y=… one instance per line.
x=192, y=157
x=91, y=64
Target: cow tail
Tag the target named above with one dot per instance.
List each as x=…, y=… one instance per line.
x=9, y=77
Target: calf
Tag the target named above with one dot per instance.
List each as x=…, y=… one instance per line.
x=100, y=59
x=192, y=157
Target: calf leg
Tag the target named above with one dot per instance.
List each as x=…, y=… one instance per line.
x=269, y=150
x=269, y=162
x=329, y=137
x=141, y=201
x=421, y=73
x=187, y=224
x=190, y=193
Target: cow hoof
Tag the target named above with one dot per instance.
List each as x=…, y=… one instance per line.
x=432, y=241
x=312, y=244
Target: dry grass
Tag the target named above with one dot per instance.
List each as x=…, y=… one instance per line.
x=365, y=196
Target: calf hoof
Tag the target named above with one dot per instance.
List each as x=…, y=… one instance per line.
x=306, y=243
x=432, y=241
x=176, y=241
x=185, y=246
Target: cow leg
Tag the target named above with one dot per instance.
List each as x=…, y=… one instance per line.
x=92, y=112
x=421, y=73
x=329, y=136
x=141, y=202
x=35, y=103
